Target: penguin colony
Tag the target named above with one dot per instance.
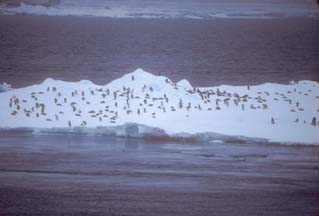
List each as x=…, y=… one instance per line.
x=108, y=105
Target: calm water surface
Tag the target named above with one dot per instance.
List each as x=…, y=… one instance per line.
x=68, y=175
x=206, y=52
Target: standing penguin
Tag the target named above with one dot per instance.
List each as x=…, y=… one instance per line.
x=314, y=121
x=69, y=123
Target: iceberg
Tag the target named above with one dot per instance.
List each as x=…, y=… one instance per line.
x=143, y=105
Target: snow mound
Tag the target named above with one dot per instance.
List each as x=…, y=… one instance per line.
x=139, y=79
x=185, y=84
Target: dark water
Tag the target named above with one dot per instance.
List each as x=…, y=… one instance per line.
x=207, y=52
x=68, y=175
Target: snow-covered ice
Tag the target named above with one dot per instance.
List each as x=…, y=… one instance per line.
x=140, y=104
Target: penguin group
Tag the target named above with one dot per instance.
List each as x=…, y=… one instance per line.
x=108, y=105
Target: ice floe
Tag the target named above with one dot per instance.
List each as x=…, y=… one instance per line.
x=140, y=104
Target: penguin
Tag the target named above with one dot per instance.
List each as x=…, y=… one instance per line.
x=235, y=102
x=180, y=104
x=314, y=121
x=165, y=97
x=42, y=107
x=69, y=123
x=189, y=106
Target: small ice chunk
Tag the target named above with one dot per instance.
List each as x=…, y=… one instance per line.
x=5, y=87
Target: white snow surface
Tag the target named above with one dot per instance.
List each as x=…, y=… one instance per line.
x=142, y=103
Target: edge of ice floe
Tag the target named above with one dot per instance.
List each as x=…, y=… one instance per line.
x=140, y=131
